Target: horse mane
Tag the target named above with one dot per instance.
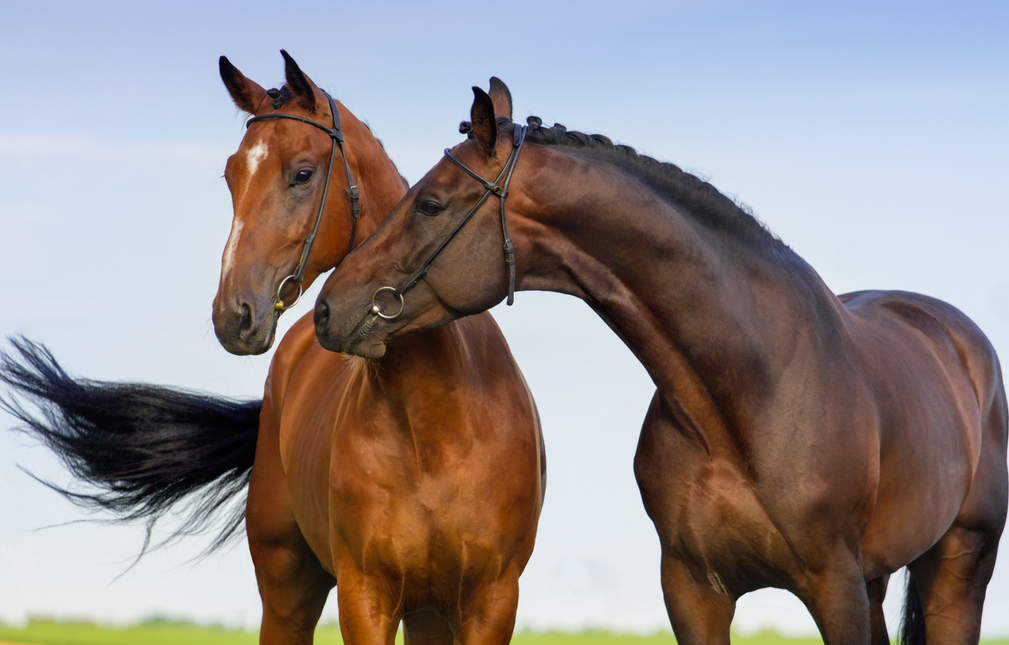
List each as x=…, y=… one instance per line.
x=702, y=200
x=406, y=184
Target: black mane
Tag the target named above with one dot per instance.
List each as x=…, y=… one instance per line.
x=698, y=197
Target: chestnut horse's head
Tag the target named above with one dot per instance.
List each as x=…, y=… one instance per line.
x=443, y=252
x=286, y=172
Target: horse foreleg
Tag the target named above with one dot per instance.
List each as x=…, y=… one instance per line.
x=838, y=600
x=488, y=618
x=368, y=616
x=876, y=590
x=293, y=587
x=698, y=612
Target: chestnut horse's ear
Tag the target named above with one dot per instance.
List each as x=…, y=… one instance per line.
x=501, y=97
x=484, y=124
x=246, y=94
x=301, y=86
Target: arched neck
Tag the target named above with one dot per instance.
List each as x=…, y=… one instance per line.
x=379, y=182
x=700, y=307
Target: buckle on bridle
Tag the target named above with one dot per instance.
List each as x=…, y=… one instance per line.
x=509, y=251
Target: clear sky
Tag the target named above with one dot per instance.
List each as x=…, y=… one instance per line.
x=871, y=137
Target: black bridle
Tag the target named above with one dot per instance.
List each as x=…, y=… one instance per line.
x=355, y=208
x=498, y=187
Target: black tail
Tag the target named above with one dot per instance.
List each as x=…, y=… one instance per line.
x=140, y=449
x=912, y=627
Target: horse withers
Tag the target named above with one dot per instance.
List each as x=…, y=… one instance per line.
x=797, y=439
x=414, y=483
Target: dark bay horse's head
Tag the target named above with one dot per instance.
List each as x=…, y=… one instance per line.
x=276, y=179
x=354, y=312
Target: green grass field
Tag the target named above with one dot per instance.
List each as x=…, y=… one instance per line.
x=162, y=632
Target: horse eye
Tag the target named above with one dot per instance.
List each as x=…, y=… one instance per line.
x=303, y=177
x=431, y=208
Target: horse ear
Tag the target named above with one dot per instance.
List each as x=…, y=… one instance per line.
x=299, y=83
x=501, y=97
x=246, y=94
x=484, y=124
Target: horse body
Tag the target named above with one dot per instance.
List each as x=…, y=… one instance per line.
x=414, y=481
x=398, y=472
x=796, y=439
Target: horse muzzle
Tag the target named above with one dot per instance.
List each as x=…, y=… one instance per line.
x=243, y=328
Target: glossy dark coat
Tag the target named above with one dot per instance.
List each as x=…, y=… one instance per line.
x=797, y=439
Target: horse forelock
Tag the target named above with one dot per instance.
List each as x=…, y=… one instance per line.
x=702, y=200
x=278, y=98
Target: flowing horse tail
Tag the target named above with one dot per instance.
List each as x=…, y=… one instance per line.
x=140, y=449
x=912, y=625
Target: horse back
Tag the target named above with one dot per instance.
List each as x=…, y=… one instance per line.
x=917, y=330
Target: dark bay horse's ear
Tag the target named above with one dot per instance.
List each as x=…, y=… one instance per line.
x=501, y=97
x=484, y=124
x=301, y=86
x=246, y=94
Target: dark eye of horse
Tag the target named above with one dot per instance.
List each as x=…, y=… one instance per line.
x=431, y=208
x=303, y=177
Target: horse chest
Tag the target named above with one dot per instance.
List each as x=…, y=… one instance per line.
x=707, y=512
x=433, y=530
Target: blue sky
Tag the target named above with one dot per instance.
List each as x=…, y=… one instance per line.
x=872, y=138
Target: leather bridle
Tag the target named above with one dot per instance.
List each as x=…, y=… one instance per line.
x=498, y=187
x=355, y=208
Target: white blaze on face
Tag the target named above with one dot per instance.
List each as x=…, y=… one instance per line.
x=256, y=154
x=229, y=250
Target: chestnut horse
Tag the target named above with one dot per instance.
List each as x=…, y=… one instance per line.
x=415, y=482
x=797, y=439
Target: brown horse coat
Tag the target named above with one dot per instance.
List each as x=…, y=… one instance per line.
x=796, y=439
x=414, y=482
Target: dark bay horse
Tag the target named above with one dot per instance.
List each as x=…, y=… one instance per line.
x=415, y=482
x=797, y=439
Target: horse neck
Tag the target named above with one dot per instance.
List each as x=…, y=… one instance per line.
x=713, y=319
x=379, y=183
x=421, y=357
x=441, y=385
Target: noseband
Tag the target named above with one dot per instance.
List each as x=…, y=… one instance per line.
x=498, y=187
x=355, y=209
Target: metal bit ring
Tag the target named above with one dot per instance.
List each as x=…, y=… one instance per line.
x=279, y=305
x=376, y=308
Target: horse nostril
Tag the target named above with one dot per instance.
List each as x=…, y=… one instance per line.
x=321, y=316
x=247, y=323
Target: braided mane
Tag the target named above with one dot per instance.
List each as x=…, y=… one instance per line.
x=698, y=197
